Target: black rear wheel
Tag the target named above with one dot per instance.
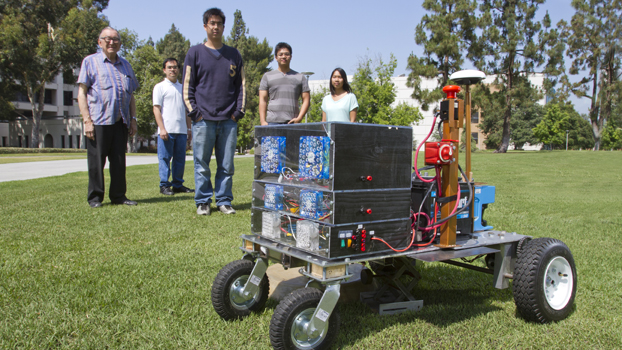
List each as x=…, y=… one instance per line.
x=545, y=281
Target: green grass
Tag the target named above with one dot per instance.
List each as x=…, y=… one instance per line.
x=37, y=157
x=140, y=277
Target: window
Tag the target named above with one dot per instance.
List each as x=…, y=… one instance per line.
x=70, y=141
x=68, y=98
x=19, y=141
x=21, y=97
x=62, y=141
x=474, y=117
x=3, y=141
x=77, y=141
x=475, y=137
x=26, y=145
x=47, y=97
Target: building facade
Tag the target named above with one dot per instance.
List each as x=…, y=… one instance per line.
x=61, y=124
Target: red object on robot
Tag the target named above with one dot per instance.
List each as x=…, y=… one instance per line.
x=438, y=153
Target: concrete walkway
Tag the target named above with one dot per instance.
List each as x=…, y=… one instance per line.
x=35, y=170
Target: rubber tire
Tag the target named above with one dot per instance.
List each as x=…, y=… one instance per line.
x=283, y=319
x=221, y=290
x=521, y=244
x=528, y=285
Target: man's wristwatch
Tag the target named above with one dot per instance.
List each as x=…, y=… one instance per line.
x=133, y=118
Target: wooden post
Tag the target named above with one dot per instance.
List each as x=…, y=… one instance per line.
x=449, y=179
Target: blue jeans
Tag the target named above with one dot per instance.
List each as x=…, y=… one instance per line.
x=207, y=136
x=174, y=147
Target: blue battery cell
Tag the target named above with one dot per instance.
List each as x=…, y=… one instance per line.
x=273, y=197
x=310, y=204
x=272, y=154
x=314, y=157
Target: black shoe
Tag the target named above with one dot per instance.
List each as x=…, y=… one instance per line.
x=183, y=189
x=126, y=202
x=95, y=204
x=166, y=191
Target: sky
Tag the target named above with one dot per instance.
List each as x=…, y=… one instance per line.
x=323, y=34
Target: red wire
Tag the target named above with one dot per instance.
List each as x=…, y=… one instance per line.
x=417, y=153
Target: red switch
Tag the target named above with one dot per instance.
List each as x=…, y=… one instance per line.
x=451, y=90
x=366, y=178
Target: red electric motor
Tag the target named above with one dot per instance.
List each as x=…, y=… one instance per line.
x=438, y=153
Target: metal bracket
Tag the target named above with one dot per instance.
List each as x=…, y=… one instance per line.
x=252, y=285
x=505, y=260
x=325, y=308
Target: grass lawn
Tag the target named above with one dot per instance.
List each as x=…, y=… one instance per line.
x=140, y=277
x=38, y=157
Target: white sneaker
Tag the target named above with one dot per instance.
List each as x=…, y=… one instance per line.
x=203, y=209
x=226, y=209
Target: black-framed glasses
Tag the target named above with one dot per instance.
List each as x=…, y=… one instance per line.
x=111, y=39
x=172, y=67
x=215, y=24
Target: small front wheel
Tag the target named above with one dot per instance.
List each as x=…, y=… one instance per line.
x=288, y=328
x=227, y=299
x=545, y=281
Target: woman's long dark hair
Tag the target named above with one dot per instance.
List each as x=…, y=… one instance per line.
x=346, y=86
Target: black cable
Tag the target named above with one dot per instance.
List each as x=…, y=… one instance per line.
x=421, y=206
x=468, y=204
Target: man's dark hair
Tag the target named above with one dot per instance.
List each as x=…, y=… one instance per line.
x=280, y=46
x=169, y=60
x=346, y=86
x=213, y=12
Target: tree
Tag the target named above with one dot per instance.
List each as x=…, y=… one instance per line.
x=315, y=109
x=514, y=44
x=39, y=39
x=526, y=113
x=257, y=56
x=594, y=37
x=552, y=129
x=174, y=45
x=147, y=66
x=7, y=94
x=612, y=137
x=376, y=93
x=444, y=35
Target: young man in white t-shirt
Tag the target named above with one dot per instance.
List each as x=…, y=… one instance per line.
x=174, y=128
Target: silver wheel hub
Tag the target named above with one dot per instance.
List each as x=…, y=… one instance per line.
x=300, y=329
x=558, y=283
x=238, y=299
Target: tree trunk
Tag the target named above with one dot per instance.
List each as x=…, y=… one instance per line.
x=132, y=144
x=505, y=136
x=597, y=129
x=37, y=110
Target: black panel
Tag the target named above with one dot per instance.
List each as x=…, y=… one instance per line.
x=382, y=152
x=384, y=205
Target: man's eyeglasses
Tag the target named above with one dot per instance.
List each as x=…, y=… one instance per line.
x=110, y=39
x=172, y=67
x=284, y=54
x=215, y=24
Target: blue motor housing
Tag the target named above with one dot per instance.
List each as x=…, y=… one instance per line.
x=484, y=195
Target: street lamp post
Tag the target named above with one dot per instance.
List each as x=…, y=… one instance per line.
x=567, y=139
x=308, y=74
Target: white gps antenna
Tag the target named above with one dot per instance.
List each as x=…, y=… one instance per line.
x=468, y=77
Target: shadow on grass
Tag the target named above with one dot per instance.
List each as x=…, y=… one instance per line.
x=449, y=295
x=166, y=199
